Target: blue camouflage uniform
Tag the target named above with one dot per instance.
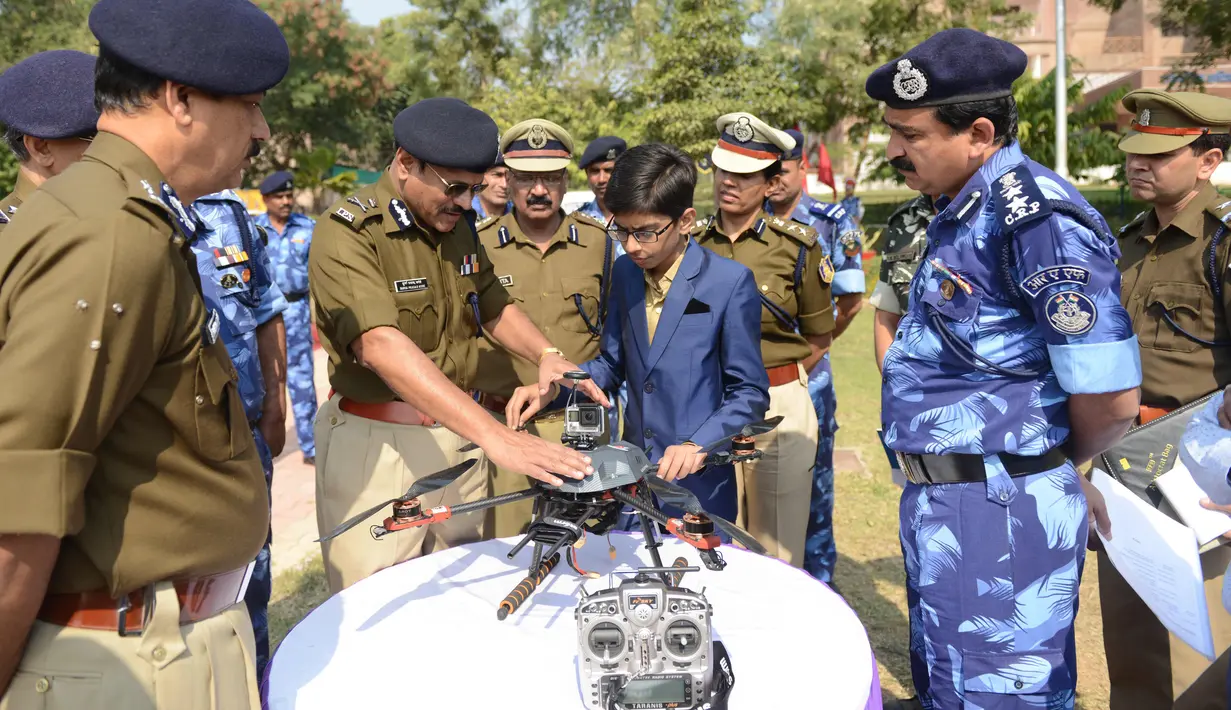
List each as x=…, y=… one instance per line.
x=288, y=250
x=854, y=207
x=840, y=239
x=1015, y=307
x=237, y=283
x=481, y=213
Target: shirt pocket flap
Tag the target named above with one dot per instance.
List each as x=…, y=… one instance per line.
x=1175, y=296
x=215, y=373
x=951, y=301
x=1040, y=672
x=586, y=286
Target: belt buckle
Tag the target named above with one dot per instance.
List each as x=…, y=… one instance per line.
x=912, y=474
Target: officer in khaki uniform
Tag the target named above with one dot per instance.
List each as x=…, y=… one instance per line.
x=132, y=499
x=403, y=292
x=555, y=267
x=1180, y=305
x=47, y=109
x=793, y=275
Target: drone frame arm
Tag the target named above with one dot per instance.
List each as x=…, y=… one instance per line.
x=441, y=513
x=675, y=526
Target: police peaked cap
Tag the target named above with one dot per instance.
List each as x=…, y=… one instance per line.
x=601, y=150
x=50, y=95
x=449, y=133
x=281, y=181
x=227, y=47
x=952, y=66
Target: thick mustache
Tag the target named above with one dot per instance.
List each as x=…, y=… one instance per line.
x=536, y=201
x=903, y=164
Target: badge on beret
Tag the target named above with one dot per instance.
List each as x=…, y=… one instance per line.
x=230, y=281
x=1145, y=117
x=742, y=130
x=611, y=154
x=909, y=83
x=1071, y=313
x=401, y=215
x=538, y=136
x=826, y=270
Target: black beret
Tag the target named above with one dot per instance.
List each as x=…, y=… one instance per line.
x=50, y=95
x=448, y=132
x=227, y=47
x=952, y=66
x=601, y=149
x=280, y=181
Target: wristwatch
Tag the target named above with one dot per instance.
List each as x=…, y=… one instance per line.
x=547, y=351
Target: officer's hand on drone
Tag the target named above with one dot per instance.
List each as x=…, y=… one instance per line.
x=679, y=461
x=526, y=402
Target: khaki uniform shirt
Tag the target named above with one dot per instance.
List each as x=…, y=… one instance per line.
x=1165, y=272
x=21, y=192
x=770, y=248
x=656, y=293
x=122, y=431
x=372, y=265
x=543, y=284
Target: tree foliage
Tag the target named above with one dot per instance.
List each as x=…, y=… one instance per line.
x=1092, y=134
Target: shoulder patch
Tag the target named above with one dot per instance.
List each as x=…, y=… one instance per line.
x=1018, y=199
x=1223, y=212
x=833, y=213
x=583, y=218
x=852, y=243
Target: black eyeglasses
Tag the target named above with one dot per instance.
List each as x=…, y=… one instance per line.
x=454, y=190
x=645, y=236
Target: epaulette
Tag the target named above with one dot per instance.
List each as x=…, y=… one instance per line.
x=833, y=213
x=355, y=210
x=803, y=234
x=702, y=226
x=1141, y=216
x=583, y=218
x=1018, y=200
x=1222, y=212
x=486, y=222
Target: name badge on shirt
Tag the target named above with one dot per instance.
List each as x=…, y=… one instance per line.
x=506, y=280
x=410, y=285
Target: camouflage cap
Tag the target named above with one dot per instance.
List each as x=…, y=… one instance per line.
x=1166, y=120
x=537, y=146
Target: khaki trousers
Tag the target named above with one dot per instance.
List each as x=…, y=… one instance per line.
x=1150, y=668
x=208, y=665
x=775, y=491
x=363, y=462
x=513, y=519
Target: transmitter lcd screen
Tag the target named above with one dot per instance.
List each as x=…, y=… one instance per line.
x=655, y=690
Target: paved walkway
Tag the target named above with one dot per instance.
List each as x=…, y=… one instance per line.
x=294, y=497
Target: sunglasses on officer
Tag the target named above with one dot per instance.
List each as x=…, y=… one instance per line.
x=454, y=190
x=644, y=236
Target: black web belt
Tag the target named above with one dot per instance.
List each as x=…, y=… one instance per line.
x=295, y=297
x=971, y=468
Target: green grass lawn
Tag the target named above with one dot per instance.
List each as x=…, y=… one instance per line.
x=869, y=571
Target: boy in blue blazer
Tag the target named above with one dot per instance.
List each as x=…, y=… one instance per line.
x=683, y=330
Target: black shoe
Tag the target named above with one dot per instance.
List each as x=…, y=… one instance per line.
x=309, y=460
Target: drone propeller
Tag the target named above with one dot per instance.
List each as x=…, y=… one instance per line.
x=682, y=498
x=750, y=430
x=427, y=484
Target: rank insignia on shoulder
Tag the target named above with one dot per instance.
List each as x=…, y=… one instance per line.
x=12, y=209
x=851, y=244
x=1034, y=284
x=4, y=219
x=149, y=190
x=410, y=285
x=759, y=227
x=470, y=265
x=503, y=237
x=357, y=202
x=229, y=281
x=401, y=215
x=186, y=223
x=1019, y=199
x=826, y=270
x=572, y=234
x=1071, y=313
x=506, y=280
x=371, y=202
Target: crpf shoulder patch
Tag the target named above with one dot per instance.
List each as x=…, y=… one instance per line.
x=1019, y=200
x=852, y=243
x=1071, y=313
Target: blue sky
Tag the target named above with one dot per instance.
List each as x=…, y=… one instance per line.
x=370, y=12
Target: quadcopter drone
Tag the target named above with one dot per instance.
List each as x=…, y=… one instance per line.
x=563, y=515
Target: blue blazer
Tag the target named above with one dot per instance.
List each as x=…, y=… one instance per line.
x=702, y=379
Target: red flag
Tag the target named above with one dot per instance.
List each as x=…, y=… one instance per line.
x=824, y=169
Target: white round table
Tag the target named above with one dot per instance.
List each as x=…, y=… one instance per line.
x=424, y=633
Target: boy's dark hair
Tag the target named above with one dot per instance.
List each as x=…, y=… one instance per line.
x=1212, y=141
x=120, y=86
x=1001, y=112
x=16, y=141
x=654, y=178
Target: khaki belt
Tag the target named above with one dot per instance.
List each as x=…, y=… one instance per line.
x=395, y=412
x=491, y=402
x=200, y=598
x=783, y=374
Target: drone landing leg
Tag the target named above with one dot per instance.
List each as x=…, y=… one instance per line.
x=652, y=543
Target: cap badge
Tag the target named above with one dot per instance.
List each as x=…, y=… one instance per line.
x=1145, y=117
x=538, y=137
x=742, y=130
x=611, y=154
x=909, y=83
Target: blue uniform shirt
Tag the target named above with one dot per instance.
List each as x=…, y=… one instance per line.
x=840, y=239
x=1066, y=320
x=591, y=208
x=481, y=213
x=236, y=282
x=288, y=251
